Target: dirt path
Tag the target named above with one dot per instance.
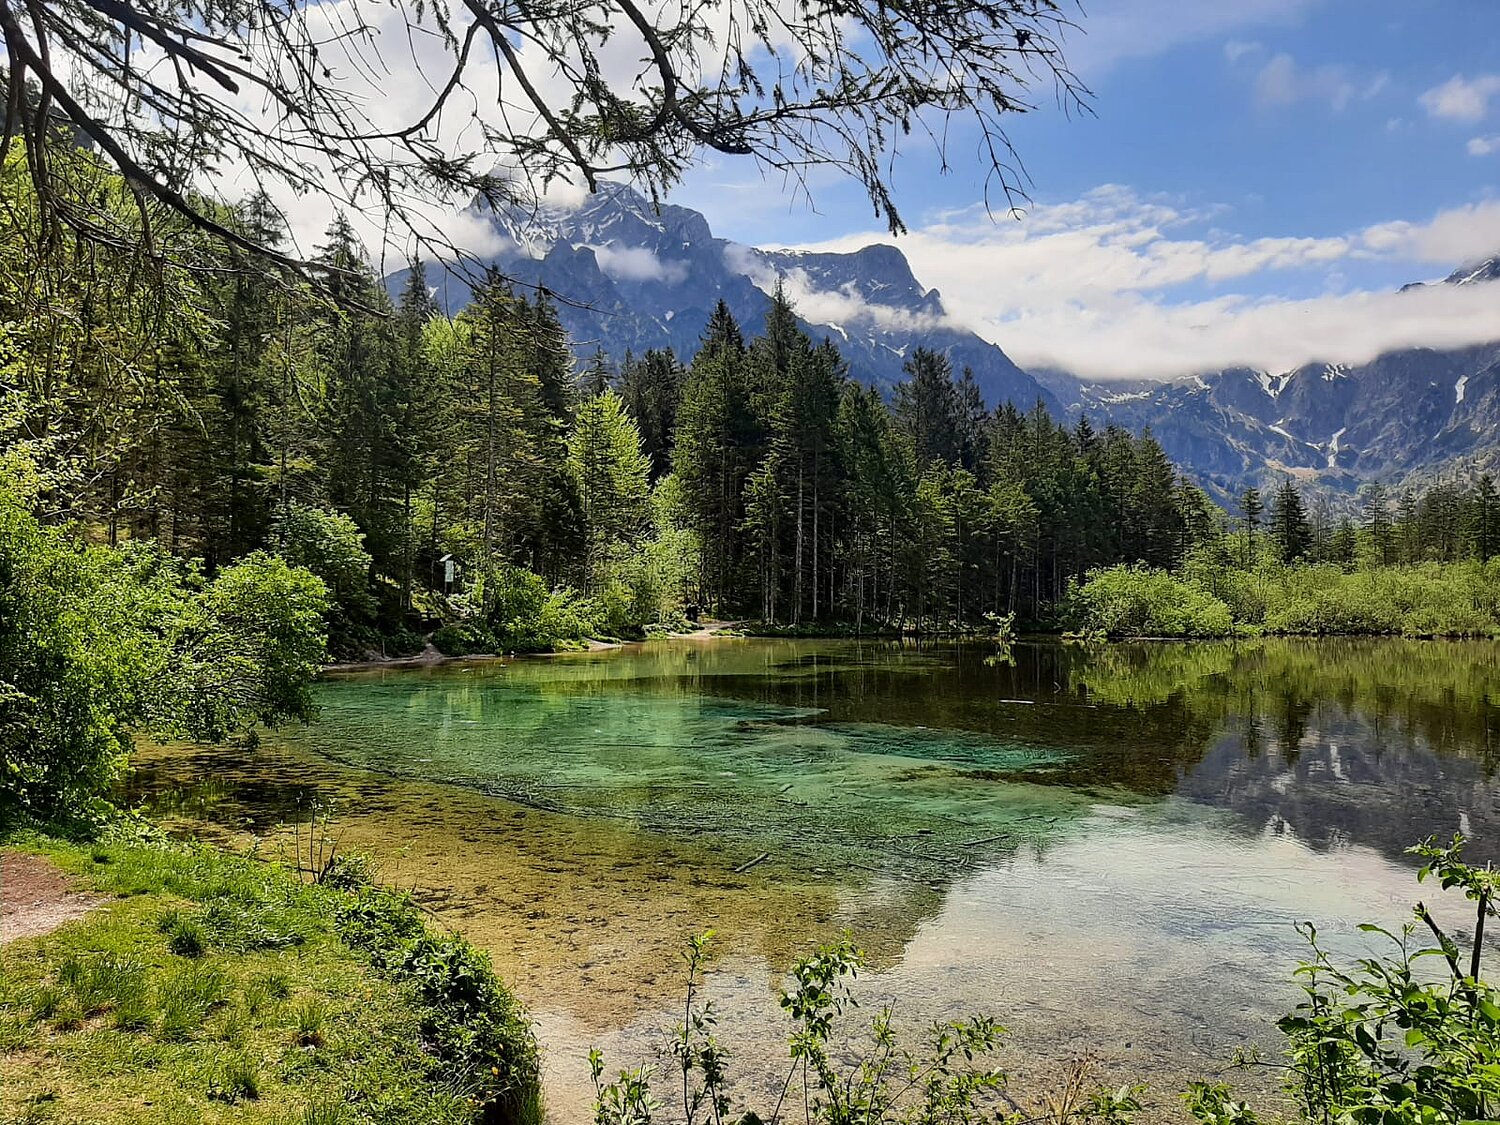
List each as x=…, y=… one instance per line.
x=36, y=898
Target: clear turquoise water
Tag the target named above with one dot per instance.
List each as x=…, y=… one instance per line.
x=1108, y=848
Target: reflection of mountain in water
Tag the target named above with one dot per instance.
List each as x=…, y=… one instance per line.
x=922, y=761
x=1346, y=781
x=1378, y=743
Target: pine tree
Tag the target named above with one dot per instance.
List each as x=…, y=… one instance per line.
x=420, y=405
x=1290, y=532
x=1251, y=508
x=610, y=473
x=1155, y=515
x=505, y=415
x=598, y=377
x=1408, y=528
x=549, y=356
x=1343, y=545
x=363, y=403
x=1484, y=530
x=927, y=408
x=651, y=388
x=971, y=416
x=1377, y=517
x=715, y=448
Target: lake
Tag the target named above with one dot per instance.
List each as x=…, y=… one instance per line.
x=1105, y=847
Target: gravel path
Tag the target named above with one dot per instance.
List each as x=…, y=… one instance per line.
x=36, y=898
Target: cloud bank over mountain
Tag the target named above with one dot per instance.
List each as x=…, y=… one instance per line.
x=1115, y=285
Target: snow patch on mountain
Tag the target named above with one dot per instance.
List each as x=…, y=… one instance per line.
x=1333, y=446
x=1273, y=385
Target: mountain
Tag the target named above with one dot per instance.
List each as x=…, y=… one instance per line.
x=1417, y=413
x=628, y=277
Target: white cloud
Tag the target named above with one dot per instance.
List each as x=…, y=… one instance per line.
x=835, y=308
x=1460, y=98
x=1116, y=286
x=1282, y=81
x=1236, y=49
x=389, y=76
x=637, y=263
x=1484, y=146
x=1117, y=30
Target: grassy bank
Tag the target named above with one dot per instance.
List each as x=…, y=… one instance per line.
x=210, y=987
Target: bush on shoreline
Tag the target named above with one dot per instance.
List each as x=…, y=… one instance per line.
x=1427, y=600
x=97, y=642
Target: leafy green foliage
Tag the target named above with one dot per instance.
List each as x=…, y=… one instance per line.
x=331, y=545
x=1385, y=1040
x=1132, y=601
x=1428, y=600
x=941, y=1082
x=470, y=1020
x=96, y=642
x=250, y=650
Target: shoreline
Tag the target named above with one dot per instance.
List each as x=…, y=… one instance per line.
x=430, y=657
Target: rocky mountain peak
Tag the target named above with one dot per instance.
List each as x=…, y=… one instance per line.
x=633, y=276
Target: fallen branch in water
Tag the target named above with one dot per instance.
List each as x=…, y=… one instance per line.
x=986, y=840
x=742, y=868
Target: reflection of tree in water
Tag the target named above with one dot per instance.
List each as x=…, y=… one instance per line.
x=1291, y=725
x=1377, y=743
x=897, y=758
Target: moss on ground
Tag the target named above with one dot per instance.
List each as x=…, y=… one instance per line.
x=215, y=988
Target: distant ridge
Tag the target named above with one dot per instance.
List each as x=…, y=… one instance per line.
x=634, y=278
x=1415, y=413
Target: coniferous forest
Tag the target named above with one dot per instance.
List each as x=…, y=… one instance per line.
x=474, y=479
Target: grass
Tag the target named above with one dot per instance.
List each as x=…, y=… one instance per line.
x=216, y=988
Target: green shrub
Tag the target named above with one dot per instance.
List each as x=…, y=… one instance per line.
x=515, y=597
x=331, y=545
x=525, y=616
x=1433, y=599
x=1387, y=1040
x=1136, y=601
x=464, y=638
x=469, y=1019
x=96, y=642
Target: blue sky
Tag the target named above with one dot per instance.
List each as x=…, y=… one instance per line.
x=1312, y=155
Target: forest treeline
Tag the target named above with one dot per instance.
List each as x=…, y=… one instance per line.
x=389, y=448
x=467, y=477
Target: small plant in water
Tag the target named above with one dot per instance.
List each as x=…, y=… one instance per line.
x=317, y=854
x=1388, y=1041
x=944, y=1082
